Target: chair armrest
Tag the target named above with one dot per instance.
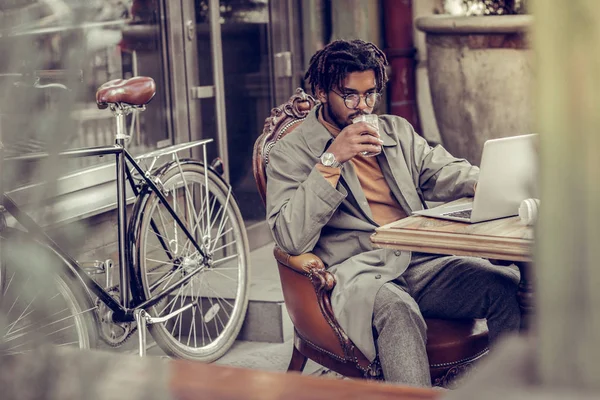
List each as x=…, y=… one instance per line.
x=311, y=266
x=304, y=263
x=313, y=315
x=313, y=272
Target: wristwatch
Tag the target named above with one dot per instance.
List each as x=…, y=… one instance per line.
x=328, y=160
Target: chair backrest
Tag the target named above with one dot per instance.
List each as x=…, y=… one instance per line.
x=283, y=120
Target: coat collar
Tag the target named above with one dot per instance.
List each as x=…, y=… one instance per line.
x=317, y=136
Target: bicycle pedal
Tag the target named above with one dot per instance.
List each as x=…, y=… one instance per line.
x=98, y=267
x=95, y=267
x=157, y=320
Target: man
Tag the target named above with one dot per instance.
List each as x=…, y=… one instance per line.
x=324, y=195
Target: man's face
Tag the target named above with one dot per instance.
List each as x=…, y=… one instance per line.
x=335, y=111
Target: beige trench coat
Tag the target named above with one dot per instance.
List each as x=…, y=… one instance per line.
x=306, y=213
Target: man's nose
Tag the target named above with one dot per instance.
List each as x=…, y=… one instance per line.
x=362, y=103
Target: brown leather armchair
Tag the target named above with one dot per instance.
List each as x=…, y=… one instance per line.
x=452, y=345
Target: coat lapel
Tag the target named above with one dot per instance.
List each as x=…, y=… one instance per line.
x=317, y=139
x=396, y=173
x=355, y=189
x=317, y=136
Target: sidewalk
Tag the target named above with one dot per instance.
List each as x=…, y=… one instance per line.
x=265, y=292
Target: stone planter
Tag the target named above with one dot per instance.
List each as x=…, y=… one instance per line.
x=480, y=75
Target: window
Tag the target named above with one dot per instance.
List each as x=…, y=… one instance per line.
x=80, y=44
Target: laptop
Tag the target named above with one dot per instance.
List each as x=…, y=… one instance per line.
x=508, y=175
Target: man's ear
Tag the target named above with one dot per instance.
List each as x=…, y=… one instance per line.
x=321, y=95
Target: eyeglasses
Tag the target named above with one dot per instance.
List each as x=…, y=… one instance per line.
x=352, y=100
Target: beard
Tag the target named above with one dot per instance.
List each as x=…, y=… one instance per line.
x=340, y=121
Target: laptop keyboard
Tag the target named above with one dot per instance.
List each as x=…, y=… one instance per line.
x=459, y=214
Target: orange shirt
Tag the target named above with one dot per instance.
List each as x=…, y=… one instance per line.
x=383, y=204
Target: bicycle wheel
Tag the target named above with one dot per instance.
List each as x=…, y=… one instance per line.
x=40, y=303
x=163, y=255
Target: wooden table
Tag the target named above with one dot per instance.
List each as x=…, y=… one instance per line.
x=506, y=239
x=191, y=381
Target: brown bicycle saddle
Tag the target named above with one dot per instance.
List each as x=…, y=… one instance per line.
x=136, y=91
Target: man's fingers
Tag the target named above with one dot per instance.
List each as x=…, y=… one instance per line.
x=370, y=148
x=366, y=138
x=361, y=128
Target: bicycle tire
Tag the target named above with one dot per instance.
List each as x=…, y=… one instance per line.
x=221, y=304
x=42, y=305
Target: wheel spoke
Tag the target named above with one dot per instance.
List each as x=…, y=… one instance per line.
x=11, y=338
x=23, y=315
x=195, y=219
x=8, y=285
x=220, y=298
x=224, y=217
x=161, y=262
x=216, y=317
x=223, y=275
x=14, y=353
x=18, y=296
x=154, y=285
x=162, y=237
x=207, y=330
x=224, y=260
x=169, y=274
x=193, y=328
x=31, y=332
x=188, y=196
x=210, y=213
x=162, y=221
x=200, y=224
x=196, y=300
x=169, y=303
x=227, y=244
x=32, y=339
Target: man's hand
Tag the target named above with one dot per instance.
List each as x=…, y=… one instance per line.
x=353, y=140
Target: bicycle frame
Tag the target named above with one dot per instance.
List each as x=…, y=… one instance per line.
x=124, y=310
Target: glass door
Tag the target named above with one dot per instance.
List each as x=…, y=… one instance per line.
x=229, y=87
x=286, y=46
x=83, y=46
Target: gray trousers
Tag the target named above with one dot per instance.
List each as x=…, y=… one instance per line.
x=439, y=287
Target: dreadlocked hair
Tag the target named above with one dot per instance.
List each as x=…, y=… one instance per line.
x=329, y=67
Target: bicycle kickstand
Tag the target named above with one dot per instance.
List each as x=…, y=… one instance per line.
x=143, y=319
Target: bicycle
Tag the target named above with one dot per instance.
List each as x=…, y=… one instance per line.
x=183, y=256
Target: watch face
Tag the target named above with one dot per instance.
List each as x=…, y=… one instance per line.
x=327, y=159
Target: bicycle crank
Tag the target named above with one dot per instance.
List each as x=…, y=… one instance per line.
x=112, y=333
